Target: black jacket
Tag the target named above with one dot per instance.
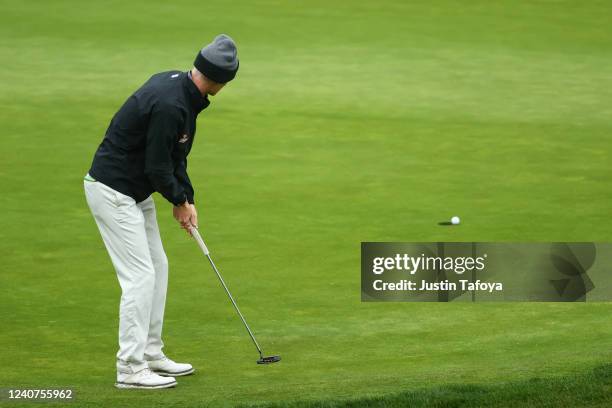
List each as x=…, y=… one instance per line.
x=147, y=142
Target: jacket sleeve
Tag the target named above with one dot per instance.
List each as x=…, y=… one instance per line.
x=165, y=124
x=183, y=178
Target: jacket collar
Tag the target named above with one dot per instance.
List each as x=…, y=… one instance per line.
x=197, y=101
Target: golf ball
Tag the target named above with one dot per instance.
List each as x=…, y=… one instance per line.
x=455, y=220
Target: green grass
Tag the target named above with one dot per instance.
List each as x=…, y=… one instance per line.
x=586, y=389
x=348, y=122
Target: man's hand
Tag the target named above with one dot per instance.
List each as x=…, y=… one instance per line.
x=186, y=215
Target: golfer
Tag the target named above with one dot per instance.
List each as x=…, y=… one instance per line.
x=145, y=150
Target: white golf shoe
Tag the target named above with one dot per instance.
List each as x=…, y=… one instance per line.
x=144, y=379
x=166, y=367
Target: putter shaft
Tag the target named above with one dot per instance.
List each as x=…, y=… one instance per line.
x=196, y=234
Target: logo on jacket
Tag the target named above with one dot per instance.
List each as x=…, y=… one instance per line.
x=184, y=138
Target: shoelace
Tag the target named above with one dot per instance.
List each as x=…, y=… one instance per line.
x=146, y=372
x=164, y=358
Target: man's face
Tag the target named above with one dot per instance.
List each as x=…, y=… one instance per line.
x=215, y=88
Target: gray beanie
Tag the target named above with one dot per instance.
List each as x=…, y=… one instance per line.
x=218, y=60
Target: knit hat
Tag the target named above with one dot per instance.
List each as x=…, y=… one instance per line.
x=218, y=60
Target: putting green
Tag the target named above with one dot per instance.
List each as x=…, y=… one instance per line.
x=348, y=122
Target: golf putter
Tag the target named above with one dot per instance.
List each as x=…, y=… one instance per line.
x=262, y=360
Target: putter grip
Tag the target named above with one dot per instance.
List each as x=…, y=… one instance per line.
x=196, y=234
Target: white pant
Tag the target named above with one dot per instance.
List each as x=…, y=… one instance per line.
x=132, y=239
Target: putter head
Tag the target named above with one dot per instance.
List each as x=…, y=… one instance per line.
x=268, y=360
